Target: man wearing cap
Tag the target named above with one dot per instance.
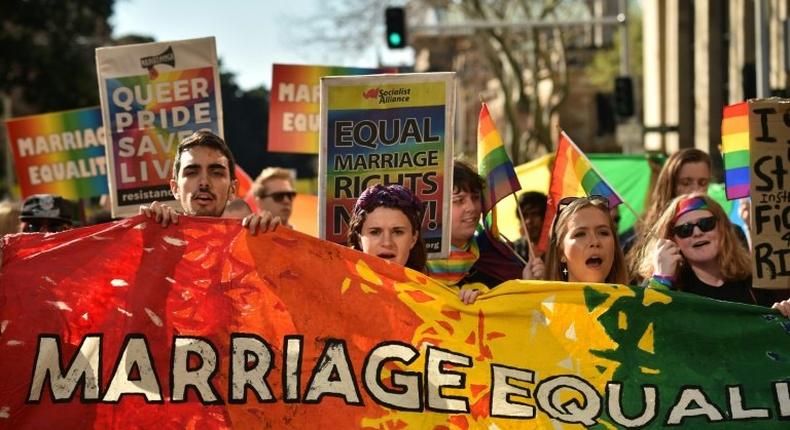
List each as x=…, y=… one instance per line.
x=274, y=192
x=204, y=180
x=46, y=213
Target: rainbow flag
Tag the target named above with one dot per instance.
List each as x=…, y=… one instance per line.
x=573, y=175
x=493, y=163
x=735, y=150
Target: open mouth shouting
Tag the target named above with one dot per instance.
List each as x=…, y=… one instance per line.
x=594, y=262
x=386, y=255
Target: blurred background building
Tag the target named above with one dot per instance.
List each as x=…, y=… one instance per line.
x=702, y=55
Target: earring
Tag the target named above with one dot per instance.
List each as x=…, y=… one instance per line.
x=564, y=273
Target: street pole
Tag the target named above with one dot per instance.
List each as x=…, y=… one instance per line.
x=761, y=43
x=469, y=27
x=9, y=165
x=622, y=17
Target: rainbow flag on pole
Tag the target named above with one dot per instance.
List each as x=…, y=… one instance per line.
x=735, y=150
x=573, y=175
x=493, y=163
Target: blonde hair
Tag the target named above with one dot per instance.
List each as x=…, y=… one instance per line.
x=617, y=274
x=259, y=186
x=733, y=258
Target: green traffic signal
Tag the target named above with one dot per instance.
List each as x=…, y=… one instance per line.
x=395, y=23
x=395, y=39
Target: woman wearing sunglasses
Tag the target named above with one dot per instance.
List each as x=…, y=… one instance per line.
x=584, y=245
x=693, y=247
x=386, y=222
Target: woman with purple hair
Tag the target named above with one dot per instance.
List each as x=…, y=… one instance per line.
x=386, y=222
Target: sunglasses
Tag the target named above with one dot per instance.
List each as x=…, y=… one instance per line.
x=44, y=227
x=566, y=201
x=280, y=196
x=686, y=230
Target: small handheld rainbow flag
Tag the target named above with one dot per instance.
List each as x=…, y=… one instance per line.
x=573, y=175
x=493, y=163
x=735, y=150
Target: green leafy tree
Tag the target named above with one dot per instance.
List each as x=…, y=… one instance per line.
x=47, y=52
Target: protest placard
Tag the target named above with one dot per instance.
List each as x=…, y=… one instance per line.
x=769, y=147
x=294, y=104
x=387, y=129
x=60, y=153
x=153, y=95
x=202, y=325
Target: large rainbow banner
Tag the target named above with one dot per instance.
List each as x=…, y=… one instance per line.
x=294, y=108
x=200, y=325
x=60, y=153
x=387, y=129
x=152, y=96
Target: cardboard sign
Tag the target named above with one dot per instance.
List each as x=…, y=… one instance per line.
x=769, y=131
x=153, y=95
x=388, y=129
x=294, y=107
x=60, y=153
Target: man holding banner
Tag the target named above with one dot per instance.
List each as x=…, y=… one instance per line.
x=204, y=180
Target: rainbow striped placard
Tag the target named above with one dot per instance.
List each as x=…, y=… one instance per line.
x=735, y=150
x=573, y=175
x=493, y=163
x=387, y=129
x=153, y=95
x=60, y=153
x=294, y=106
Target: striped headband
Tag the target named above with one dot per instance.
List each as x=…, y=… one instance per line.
x=688, y=205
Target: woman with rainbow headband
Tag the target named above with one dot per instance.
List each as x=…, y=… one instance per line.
x=693, y=247
x=686, y=171
x=386, y=222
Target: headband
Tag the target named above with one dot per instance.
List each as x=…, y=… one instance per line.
x=688, y=205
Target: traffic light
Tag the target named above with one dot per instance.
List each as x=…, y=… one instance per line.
x=624, y=96
x=395, y=20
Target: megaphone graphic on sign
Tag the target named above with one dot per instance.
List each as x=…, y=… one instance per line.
x=166, y=57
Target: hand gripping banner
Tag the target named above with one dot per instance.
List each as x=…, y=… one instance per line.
x=200, y=325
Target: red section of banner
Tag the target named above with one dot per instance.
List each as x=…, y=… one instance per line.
x=206, y=278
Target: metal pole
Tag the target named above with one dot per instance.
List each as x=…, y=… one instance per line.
x=9, y=165
x=469, y=27
x=622, y=17
x=761, y=43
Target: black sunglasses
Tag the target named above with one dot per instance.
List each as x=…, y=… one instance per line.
x=280, y=196
x=686, y=230
x=45, y=227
